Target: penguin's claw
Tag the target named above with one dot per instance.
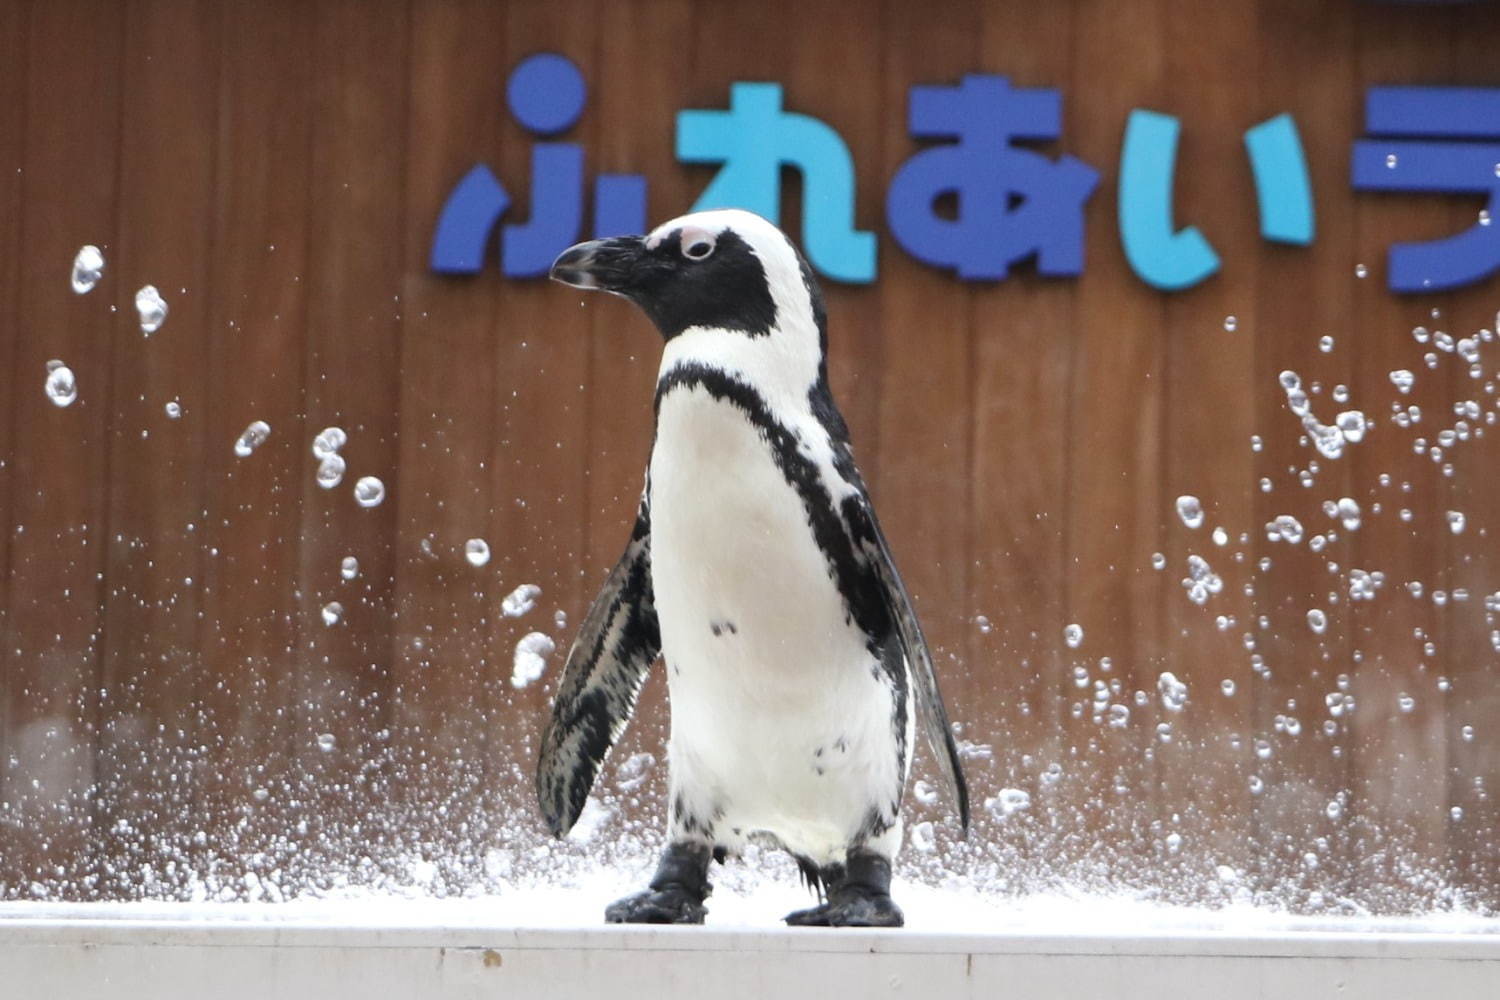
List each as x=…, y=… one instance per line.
x=854, y=906
x=670, y=904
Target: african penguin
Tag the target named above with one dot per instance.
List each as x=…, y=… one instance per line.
x=796, y=668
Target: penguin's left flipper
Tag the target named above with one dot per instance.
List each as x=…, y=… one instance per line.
x=619, y=640
x=931, y=713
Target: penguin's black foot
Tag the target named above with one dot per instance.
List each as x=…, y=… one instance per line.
x=672, y=905
x=850, y=909
x=677, y=891
x=859, y=895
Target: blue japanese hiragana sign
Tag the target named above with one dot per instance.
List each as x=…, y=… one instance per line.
x=974, y=201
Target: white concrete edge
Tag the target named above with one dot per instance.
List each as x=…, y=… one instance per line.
x=217, y=933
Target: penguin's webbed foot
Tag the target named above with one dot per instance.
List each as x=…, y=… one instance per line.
x=677, y=891
x=670, y=905
x=851, y=908
x=859, y=895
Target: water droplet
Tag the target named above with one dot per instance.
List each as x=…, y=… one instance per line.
x=62, y=388
x=521, y=600
x=1484, y=217
x=1173, y=692
x=1227, y=686
x=1347, y=510
x=1351, y=423
x=1467, y=733
x=333, y=613
x=152, y=308
x=1220, y=536
x=1230, y=323
x=1456, y=813
x=1334, y=809
x=1325, y=344
x=1263, y=749
x=983, y=624
x=1405, y=702
x=1073, y=636
x=1285, y=528
x=1317, y=620
x=1390, y=161
x=328, y=442
x=331, y=470
x=369, y=492
x=326, y=742
x=1456, y=522
x=1361, y=271
x=1190, y=510
x=251, y=438
x=1158, y=560
x=174, y=410
x=88, y=266
x=1201, y=582
x=1119, y=716
x=1008, y=802
x=477, y=551
x=349, y=568
x=530, y=658
x=1256, y=785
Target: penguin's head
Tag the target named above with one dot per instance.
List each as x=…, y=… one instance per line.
x=720, y=270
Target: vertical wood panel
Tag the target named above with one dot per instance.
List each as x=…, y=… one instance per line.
x=1471, y=652
x=353, y=365
x=13, y=72
x=1116, y=503
x=61, y=475
x=1305, y=293
x=1397, y=808
x=925, y=386
x=1025, y=343
x=442, y=664
x=251, y=627
x=156, y=488
x=1205, y=768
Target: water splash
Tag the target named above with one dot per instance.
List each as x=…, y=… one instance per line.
x=521, y=600
x=531, y=658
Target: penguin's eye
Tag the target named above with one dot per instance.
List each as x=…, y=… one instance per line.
x=697, y=245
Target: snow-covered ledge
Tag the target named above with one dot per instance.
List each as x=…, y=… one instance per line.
x=396, y=948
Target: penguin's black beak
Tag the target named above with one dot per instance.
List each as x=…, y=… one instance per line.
x=608, y=265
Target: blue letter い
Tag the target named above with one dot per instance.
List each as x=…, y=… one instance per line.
x=1160, y=257
x=753, y=139
x=1445, y=166
x=1012, y=203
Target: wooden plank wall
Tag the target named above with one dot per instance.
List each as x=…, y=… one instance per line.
x=176, y=719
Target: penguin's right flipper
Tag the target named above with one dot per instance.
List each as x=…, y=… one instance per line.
x=616, y=645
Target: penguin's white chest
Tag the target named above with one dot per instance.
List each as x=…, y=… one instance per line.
x=781, y=718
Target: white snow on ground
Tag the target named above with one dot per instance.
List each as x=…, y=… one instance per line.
x=928, y=910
